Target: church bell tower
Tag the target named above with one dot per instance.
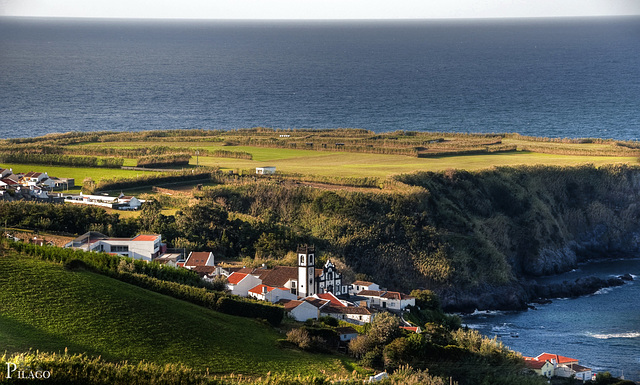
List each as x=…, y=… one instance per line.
x=306, y=271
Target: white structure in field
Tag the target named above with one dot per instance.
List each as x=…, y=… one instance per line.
x=123, y=202
x=265, y=170
x=145, y=246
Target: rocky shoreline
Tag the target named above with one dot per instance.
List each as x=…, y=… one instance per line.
x=522, y=295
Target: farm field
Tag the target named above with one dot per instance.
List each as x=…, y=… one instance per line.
x=48, y=308
x=351, y=164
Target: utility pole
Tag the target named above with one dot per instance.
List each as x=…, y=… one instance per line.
x=197, y=162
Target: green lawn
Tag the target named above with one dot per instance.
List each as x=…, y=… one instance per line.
x=45, y=307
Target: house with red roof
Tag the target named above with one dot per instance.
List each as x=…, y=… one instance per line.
x=146, y=247
x=303, y=309
x=562, y=366
x=241, y=283
x=542, y=368
x=199, y=258
x=271, y=294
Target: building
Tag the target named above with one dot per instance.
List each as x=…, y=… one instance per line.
x=241, y=283
x=302, y=310
x=353, y=314
x=541, y=368
x=199, y=258
x=391, y=300
x=346, y=333
x=358, y=286
x=330, y=281
x=146, y=247
x=265, y=170
x=271, y=294
x=562, y=366
x=119, y=203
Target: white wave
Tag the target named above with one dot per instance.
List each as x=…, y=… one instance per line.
x=503, y=327
x=633, y=276
x=604, y=290
x=475, y=326
x=614, y=335
x=486, y=312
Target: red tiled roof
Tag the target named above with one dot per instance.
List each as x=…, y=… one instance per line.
x=557, y=358
x=331, y=298
x=396, y=295
x=534, y=364
x=362, y=283
x=259, y=289
x=204, y=270
x=579, y=368
x=346, y=330
x=410, y=328
x=234, y=278
x=370, y=293
x=197, y=258
x=317, y=302
x=145, y=238
x=289, y=304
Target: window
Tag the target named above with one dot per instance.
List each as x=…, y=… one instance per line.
x=302, y=259
x=119, y=248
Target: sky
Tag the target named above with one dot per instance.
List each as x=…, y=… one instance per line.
x=317, y=9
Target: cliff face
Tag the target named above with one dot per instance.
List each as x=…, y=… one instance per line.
x=533, y=220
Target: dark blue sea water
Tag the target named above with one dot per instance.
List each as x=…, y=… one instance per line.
x=601, y=330
x=556, y=78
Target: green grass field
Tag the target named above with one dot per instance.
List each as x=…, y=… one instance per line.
x=341, y=164
x=349, y=164
x=45, y=307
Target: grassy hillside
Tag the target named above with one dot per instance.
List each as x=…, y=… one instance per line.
x=45, y=307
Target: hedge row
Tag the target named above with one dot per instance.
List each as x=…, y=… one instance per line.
x=164, y=160
x=60, y=160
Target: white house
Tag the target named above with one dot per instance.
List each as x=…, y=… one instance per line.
x=302, y=310
x=265, y=170
x=353, y=314
x=346, y=333
x=358, y=286
x=388, y=299
x=5, y=172
x=199, y=258
x=271, y=294
x=541, y=368
x=120, y=203
x=241, y=283
x=33, y=178
x=145, y=246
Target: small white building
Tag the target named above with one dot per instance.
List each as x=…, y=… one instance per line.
x=265, y=170
x=241, y=283
x=346, y=333
x=353, y=314
x=358, y=286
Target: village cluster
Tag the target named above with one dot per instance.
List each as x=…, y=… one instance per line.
x=40, y=187
x=305, y=291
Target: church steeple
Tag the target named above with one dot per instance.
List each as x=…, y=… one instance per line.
x=306, y=271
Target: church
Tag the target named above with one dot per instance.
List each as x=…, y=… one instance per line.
x=303, y=281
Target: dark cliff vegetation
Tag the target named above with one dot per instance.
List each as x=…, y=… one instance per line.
x=475, y=237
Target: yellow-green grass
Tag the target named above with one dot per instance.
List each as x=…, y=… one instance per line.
x=373, y=165
x=45, y=307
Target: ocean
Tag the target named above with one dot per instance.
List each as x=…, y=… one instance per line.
x=543, y=77
x=601, y=330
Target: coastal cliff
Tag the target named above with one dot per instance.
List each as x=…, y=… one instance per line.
x=537, y=220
